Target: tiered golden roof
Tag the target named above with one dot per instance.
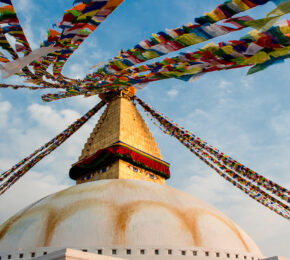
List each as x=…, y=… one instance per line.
x=121, y=121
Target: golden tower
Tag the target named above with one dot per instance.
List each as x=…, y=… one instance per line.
x=121, y=146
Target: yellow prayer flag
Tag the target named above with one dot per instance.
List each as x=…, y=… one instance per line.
x=282, y=8
x=228, y=49
x=210, y=47
x=173, y=74
x=150, y=54
x=120, y=65
x=263, y=24
x=285, y=29
x=260, y=57
x=241, y=4
x=156, y=37
x=280, y=52
x=216, y=15
x=255, y=34
x=190, y=39
x=194, y=70
x=89, y=14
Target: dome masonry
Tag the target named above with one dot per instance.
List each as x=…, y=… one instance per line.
x=127, y=214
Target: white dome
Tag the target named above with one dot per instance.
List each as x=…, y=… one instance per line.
x=123, y=213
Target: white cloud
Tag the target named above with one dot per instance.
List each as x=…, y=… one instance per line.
x=51, y=119
x=22, y=5
x=19, y=140
x=245, y=82
x=76, y=71
x=281, y=124
x=24, y=192
x=85, y=102
x=172, y=93
x=5, y=107
x=224, y=84
x=25, y=7
x=36, y=126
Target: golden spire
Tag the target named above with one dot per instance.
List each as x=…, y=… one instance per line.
x=121, y=123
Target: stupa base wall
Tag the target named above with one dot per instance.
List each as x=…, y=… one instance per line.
x=129, y=253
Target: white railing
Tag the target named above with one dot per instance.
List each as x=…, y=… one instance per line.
x=128, y=251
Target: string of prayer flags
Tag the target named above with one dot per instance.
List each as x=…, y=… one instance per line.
x=253, y=49
x=11, y=25
x=256, y=47
x=85, y=17
x=77, y=24
x=276, y=189
x=29, y=87
x=224, y=52
x=265, y=65
x=8, y=178
x=17, y=65
x=280, y=54
x=3, y=58
x=229, y=9
x=255, y=185
x=190, y=36
x=204, y=29
x=40, y=66
x=5, y=45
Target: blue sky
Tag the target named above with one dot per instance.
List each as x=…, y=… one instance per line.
x=247, y=117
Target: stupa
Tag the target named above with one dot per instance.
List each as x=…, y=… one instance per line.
x=121, y=207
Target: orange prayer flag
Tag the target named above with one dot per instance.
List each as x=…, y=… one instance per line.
x=112, y=4
x=3, y=60
x=54, y=33
x=79, y=7
x=7, y=8
x=90, y=27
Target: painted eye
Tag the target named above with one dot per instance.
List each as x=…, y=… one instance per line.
x=152, y=176
x=86, y=178
x=104, y=169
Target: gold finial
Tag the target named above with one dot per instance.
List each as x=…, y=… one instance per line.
x=127, y=93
